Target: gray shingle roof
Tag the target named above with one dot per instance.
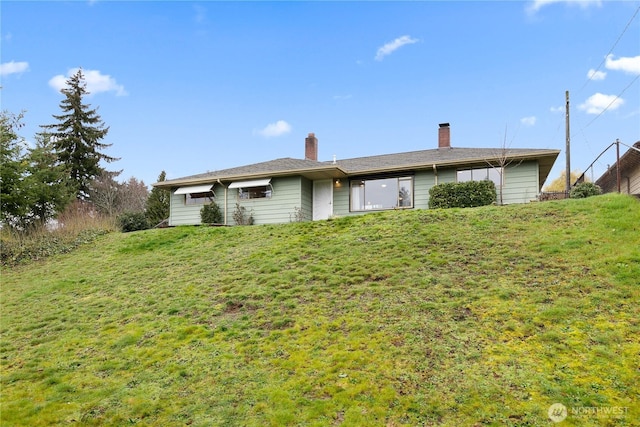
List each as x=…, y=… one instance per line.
x=439, y=157
x=271, y=166
x=414, y=160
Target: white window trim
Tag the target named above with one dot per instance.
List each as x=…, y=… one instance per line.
x=497, y=169
x=372, y=179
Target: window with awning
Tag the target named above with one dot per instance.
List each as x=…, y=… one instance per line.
x=252, y=183
x=253, y=189
x=196, y=194
x=194, y=189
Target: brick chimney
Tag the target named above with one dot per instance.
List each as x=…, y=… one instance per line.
x=444, y=136
x=311, y=147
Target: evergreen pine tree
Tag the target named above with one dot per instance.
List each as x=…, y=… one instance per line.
x=47, y=183
x=158, y=203
x=12, y=170
x=77, y=136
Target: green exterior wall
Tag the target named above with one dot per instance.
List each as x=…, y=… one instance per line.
x=520, y=183
x=288, y=195
x=341, y=198
x=306, y=200
x=520, y=186
x=292, y=197
x=182, y=214
x=422, y=182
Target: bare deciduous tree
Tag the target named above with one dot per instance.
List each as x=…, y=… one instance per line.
x=105, y=193
x=500, y=161
x=134, y=196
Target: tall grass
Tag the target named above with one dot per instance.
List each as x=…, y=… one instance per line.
x=441, y=317
x=73, y=227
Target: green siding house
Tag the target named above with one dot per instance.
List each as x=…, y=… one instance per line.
x=287, y=189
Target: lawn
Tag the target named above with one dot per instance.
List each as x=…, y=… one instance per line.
x=459, y=317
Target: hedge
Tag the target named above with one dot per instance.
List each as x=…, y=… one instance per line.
x=462, y=194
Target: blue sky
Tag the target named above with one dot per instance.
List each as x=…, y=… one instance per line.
x=189, y=87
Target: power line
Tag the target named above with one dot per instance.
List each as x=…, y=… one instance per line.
x=592, y=163
x=611, y=50
x=614, y=100
x=593, y=74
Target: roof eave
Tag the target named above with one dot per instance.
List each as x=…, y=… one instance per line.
x=549, y=157
x=322, y=172
x=629, y=160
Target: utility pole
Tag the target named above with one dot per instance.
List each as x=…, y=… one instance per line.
x=618, y=163
x=567, y=186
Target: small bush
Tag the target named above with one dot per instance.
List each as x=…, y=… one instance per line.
x=462, y=194
x=297, y=216
x=211, y=214
x=241, y=216
x=585, y=189
x=132, y=221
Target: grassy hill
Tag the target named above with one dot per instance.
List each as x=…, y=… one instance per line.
x=482, y=316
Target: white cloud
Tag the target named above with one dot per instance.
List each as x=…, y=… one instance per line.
x=390, y=47
x=536, y=5
x=596, y=75
x=627, y=64
x=598, y=102
x=96, y=82
x=200, y=14
x=528, y=121
x=557, y=109
x=13, y=68
x=275, y=129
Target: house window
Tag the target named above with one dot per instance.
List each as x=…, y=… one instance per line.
x=261, y=192
x=254, y=189
x=380, y=194
x=480, y=174
x=198, y=198
x=196, y=194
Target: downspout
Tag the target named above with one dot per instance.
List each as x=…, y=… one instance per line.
x=435, y=174
x=170, y=219
x=225, y=201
